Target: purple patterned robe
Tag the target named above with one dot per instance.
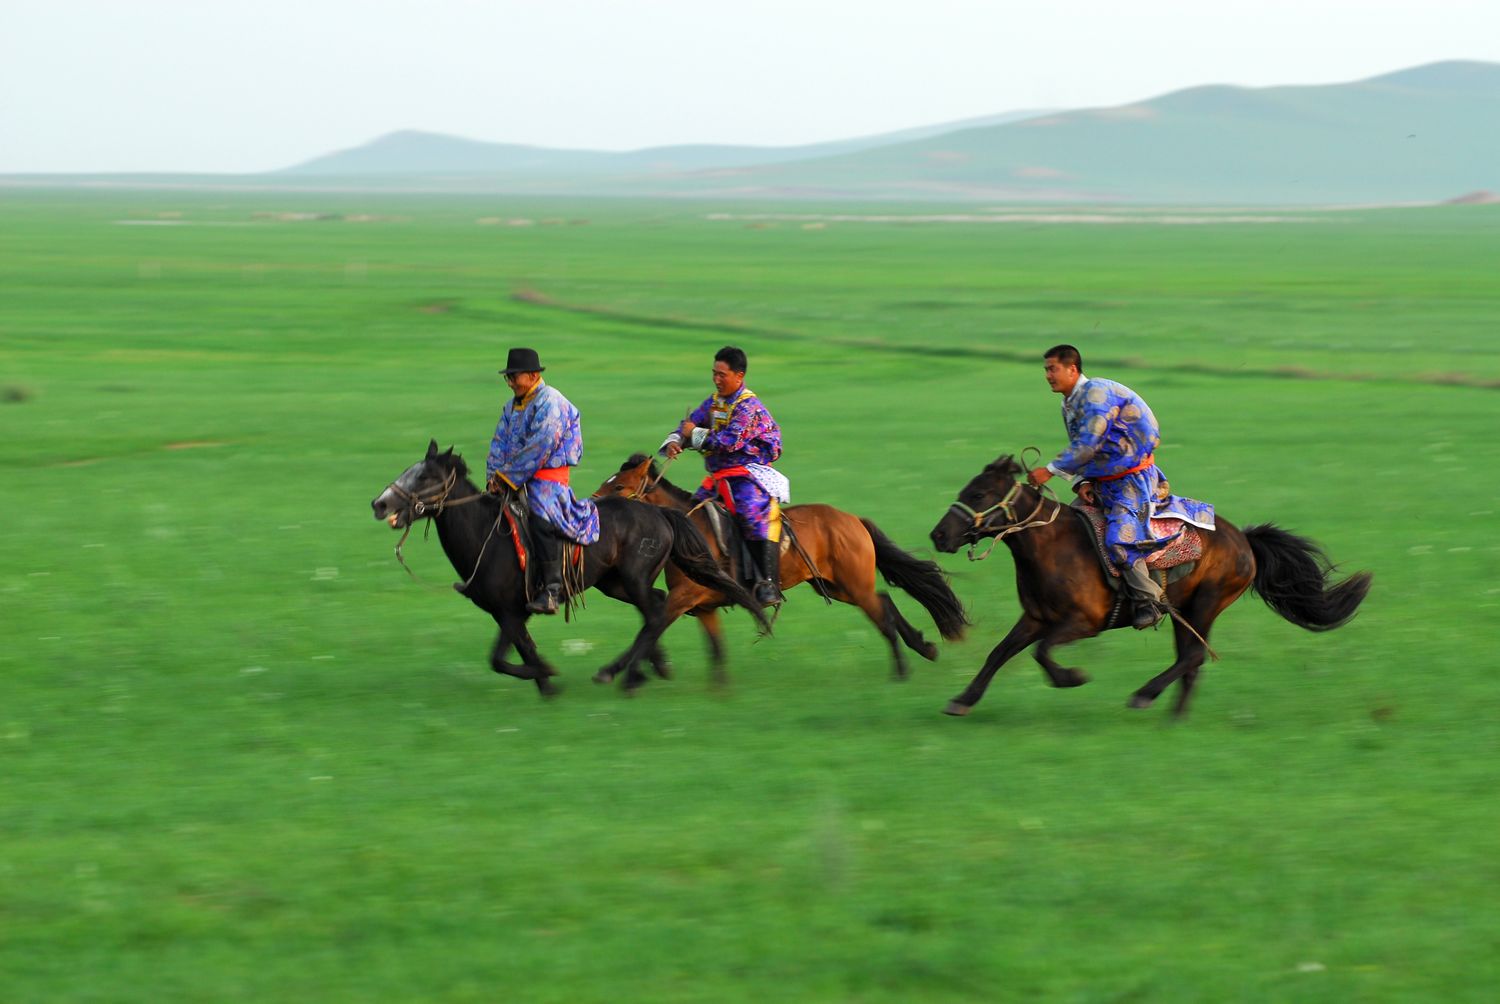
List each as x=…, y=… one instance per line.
x=741, y=431
x=544, y=432
x=1110, y=431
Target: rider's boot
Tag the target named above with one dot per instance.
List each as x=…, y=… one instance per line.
x=768, y=586
x=1150, y=600
x=546, y=547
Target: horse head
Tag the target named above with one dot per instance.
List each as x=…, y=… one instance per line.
x=637, y=478
x=985, y=506
x=422, y=489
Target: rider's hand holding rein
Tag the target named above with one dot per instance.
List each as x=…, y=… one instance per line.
x=1039, y=477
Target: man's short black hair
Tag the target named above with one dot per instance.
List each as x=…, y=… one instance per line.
x=733, y=357
x=1065, y=354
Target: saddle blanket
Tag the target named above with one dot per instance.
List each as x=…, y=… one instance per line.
x=1186, y=547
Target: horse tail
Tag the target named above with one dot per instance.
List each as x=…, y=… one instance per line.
x=1292, y=576
x=924, y=580
x=690, y=553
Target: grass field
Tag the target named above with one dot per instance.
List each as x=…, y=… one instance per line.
x=244, y=757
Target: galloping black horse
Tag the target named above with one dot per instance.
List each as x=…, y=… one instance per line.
x=635, y=543
x=1064, y=595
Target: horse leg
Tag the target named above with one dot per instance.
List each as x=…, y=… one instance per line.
x=910, y=634
x=714, y=632
x=533, y=666
x=1022, y=634
x=1190, y=655
x=1058, y=675
x=658, y=655
x=611, y=585
x=879, y=608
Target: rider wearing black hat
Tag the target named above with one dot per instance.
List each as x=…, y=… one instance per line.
x=536, y=441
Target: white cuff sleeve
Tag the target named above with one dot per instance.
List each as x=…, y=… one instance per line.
x=699, y=435
x=1072, y=478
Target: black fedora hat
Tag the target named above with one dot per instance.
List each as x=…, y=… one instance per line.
x=523, y=361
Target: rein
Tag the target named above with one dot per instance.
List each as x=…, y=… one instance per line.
x=431, y=508
x=982, y=527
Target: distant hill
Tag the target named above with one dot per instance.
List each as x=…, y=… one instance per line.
x=432, y=154
x=1425, y=134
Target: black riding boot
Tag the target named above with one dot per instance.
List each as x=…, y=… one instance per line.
x=546, y=549
x=768, y=586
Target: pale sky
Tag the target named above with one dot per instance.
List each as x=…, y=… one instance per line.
x=253, y=85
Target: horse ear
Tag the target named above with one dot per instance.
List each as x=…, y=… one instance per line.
x=431, y=448
x=449, y=453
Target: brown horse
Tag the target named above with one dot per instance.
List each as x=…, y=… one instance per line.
x=1064, y=595
x=845, y=550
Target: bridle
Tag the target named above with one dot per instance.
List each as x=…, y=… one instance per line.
x=419, y=507
x=646, y=485
x=982, y=526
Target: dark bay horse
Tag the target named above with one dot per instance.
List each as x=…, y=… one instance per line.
x=847, y=551
x=635, y=543
x=1064, y=595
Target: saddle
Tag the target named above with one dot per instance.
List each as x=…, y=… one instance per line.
x=732, y=542
x=1167, y=564
x=517, y=518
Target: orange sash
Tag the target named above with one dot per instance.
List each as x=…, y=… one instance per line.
x=1150, y=459
x=555, y=474
x=718, y=480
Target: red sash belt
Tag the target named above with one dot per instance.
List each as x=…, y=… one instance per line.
x=557, y=474
x=1150, y=459
x=718, y=481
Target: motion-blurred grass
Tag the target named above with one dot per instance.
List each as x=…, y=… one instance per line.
x=242, y=756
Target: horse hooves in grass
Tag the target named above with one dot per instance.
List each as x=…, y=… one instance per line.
x=957, y=710
x=1140, y=701
x=547, y=688
x=928, y=651
x=1070, y=678
x=605, y=675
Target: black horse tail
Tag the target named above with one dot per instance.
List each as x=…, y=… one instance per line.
x=1292, y=576
x=690, y=553
x=924, y=580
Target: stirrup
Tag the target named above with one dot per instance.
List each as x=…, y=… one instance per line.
x=768, y=594
x=547, y=602
x=1155, y=611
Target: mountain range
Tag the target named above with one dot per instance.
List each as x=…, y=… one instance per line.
x=1426, y=134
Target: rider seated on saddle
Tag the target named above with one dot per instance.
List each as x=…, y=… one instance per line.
x=740, y=440
x=1112, y=438
x=537, y=440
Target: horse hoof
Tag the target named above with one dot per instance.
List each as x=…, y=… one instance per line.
x=664, y=671
x=604, y=676
x=1137, y=701
x=1072, y=678
x=957, y=710
x=929, y=651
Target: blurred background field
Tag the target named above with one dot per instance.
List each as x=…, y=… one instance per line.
x=245, y=757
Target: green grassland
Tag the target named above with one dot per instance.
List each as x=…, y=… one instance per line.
x=244, y=757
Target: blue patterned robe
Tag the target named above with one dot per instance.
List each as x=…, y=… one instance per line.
x=742, y=431
x=1110, y=431
x=543, y=431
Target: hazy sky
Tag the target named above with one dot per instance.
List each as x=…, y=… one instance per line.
x=252, y=85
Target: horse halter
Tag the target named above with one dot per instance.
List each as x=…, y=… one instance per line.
x=981, y=526
x=434, y=506
x=419, y=505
